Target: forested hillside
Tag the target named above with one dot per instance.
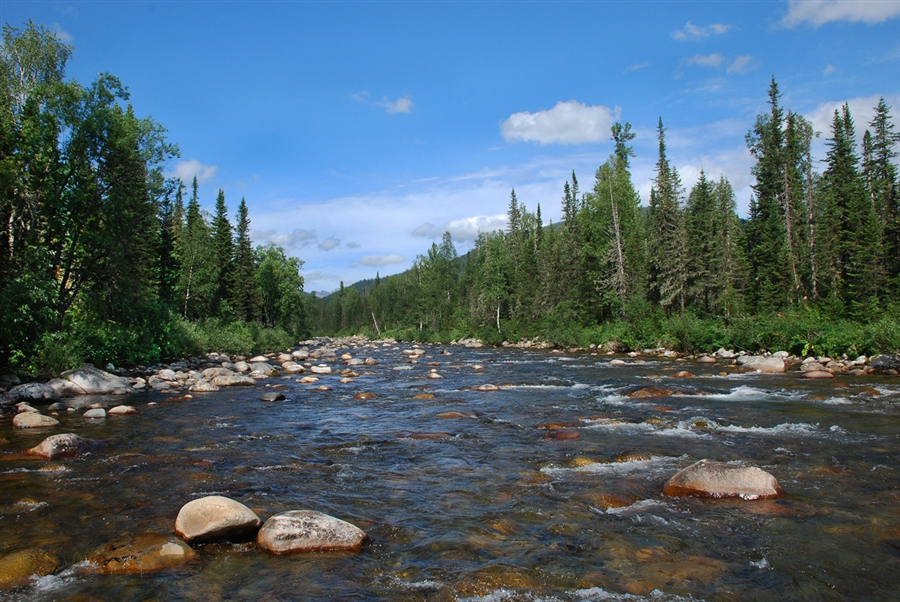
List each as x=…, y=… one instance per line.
x=814, y=268
x=101, y=259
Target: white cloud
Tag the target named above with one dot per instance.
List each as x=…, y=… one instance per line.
x=377, y=261
x=330, y=243
x=570, y=122
x=862, y=109
x=637, y=67
x=353, y=245
x=61, y=34
x=426, y=230
x=706, y=60
x=186, y=170
x=695, y=32
x=401, y=105
x=819, y=12
x=468, y=228
x=297, y=238
x=741, y=64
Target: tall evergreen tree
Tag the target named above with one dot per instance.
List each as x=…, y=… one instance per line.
x=244, y=292
x=198, y=282
x=223, y=247
x=882, y=184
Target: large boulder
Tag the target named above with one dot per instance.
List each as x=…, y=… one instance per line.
x=88, y=380
x=718, y=479
x=886, y=364
x=30, y=420
x=235, y=380
x=308, y=531
x=32, y=392
x=16, y=568
x=760, y=363
x=216, y=518
x=63, y=445
x=142, y=553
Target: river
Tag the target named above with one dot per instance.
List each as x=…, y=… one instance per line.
x=464, y=494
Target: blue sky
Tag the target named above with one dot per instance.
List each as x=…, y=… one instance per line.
x=359, y=132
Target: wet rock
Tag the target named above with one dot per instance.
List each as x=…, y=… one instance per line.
x=273, y=397
x=300, y=354
x=455, y=415
x=142, y=553
x=618, y=363
x=241, y=366
x=236, y=380
x=94, y=414
x=486, y=387
x=57, y=407
x=203, y=386
x=886, y=364
x=23, y=407
x=16, y=568
x=365, y=395
x=682, y=374
x=563, y=435
x=759, y=363
x=300, y=531
x=216, y=518
x=264, y=369
x=214, y=372
x=434, y=436
x=292, y=368
x=434, y=375
x=718, y=479
x=32, y=392
x=706, y=359
x=818, y=374
x=88, y=380
x=308, y=380
x=64, y=445
x=30, y=420
x=122, y=410
x=320, y=369
x=370, y=361
x=650, y=393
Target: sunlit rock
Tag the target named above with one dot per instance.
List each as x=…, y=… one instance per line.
x=365, y=395
x=320, y=369
x=122, y=410
x=650, y=393
x=718, y=479
x=234, y=380
x=818, y=374
x=203, y=386
x=16, y=568
x=216, y=518
x=300, y=531
x=88, y=380
x=761, y=364
x=563, y=435
x=142, y=553
x=31, y=392
x=30, y=420
x=682, y=374
x=273, y=397
x=486, y=387
x=63, y=445
x=94, y=414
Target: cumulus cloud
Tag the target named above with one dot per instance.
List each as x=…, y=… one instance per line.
x=862, y=109
x=741, y=64
x=377, y=261
x=297, y=238
x=330, y=243
x=569, y=122
x=637, y=67
x=706, y=60
x=186, y=170
x=819, y=12
x=696, y=32
x=353, y=245
x=468, y=228
x=401, y=105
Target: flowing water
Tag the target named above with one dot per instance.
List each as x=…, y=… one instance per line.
x=464, y=495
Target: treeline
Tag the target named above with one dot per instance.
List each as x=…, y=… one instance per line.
x=814, y=267
x=100, y=259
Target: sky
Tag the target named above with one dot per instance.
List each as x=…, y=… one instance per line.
x=359, y=132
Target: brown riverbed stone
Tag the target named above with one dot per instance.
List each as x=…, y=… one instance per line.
x=818, y=374
x=63, y=445
x=17, y=567
x=486, y=387
x=216, y=518
x=29, y=420
x=563, y=435
x=650, y=393
x=365, y=395
x=683, y=374
x=142, y=553
x=718, y=479
x=455, y=415
x=300, y=531
x=425, y=436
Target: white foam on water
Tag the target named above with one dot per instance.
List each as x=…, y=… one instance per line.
x=834, y=401
x=745, y=393
x=634, y=508
x=426, y=584
x=596, y=594
x=788, y=428
x=611, y=424
x=629, y=466
x=58, y=581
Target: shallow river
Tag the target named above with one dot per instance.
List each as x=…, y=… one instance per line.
x=490, y=509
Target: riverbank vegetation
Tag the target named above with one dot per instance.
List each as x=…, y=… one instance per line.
x=814, y=269
x=102, y=258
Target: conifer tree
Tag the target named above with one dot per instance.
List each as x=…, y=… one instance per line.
x=223, y=246
x=882, y=184
x=244, y=291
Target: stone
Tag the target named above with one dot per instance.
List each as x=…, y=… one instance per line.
x=300, y=531
x=320, y=369
x=818, y=374
x=94, y=414
x=486, y=387
x=356, y=362
x=370, y=361
x=64, y=445
x=259, y=359
x=618, y=363
x=885, y=364
x=650, y=393
x=122, y=410
x=16, y=568
x=706, y=359
x=241, y=366
x=300, y=354
x=683, y=374
x=273, y=397
x=236, y=380
x=203, y=386
x=365, y=395
x=213, y=372
x=563, y=434
x=23, y=407
x=142, y=553
x=30, y=420
x=725, y=354
x=264, y=368
x=216, y=518
x=88, y=380
x=434, y=375
x=166, y=374
x=811, y=366
x=718, y=479
x=32, y=392
x=759, y=363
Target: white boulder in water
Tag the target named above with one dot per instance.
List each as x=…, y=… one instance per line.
x=308, y=531
x=718, y=479
x=61, y=446
x=88, y=380
x=216, y=518
x=761, y=364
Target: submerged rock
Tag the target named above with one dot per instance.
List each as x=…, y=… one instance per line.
x=29, y=420
x=650, y=393
x=718, y=479
x=216, y=518
x=300, y=531
x=64, y=445
x=141, y=553
x=16, y=568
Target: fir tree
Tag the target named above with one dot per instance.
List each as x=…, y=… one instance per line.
x=244, y=291
x=223, y=246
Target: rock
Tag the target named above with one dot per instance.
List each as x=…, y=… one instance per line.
x=273, y=397
x=300, y=531
x=650, y=393
x=886, y=364
x=486, y=387
x=284, y=357
x=618, y=363
x=818, y=374
x=320, y=369
x=216, y=518
x=214, y=372
x=300, y=354
x=88, y=380
x=563, y=434
x=203, y=386
x=32, y=392
x=718, y=479
x=64, y=445
x=434, y=375
x=356, y=362
x=264, y=369
x=781, y=355
x=811, y=365
x=166, y=374
x=23, y=407
x=94, y=414
x=725, y=354
x=259, y=359
x=370, y=361
x=30, y=420
x=122, y=410
x=706, y=359
x=759, y=363
x=142, y=553
x=235, y=380
x=365, y=395
x=683, y=374
x=16, y=568
x=241, y=367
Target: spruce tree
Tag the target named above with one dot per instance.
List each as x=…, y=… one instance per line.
x=223, y=246
x=882, y=185
x=198, y=283
x=244, y=291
